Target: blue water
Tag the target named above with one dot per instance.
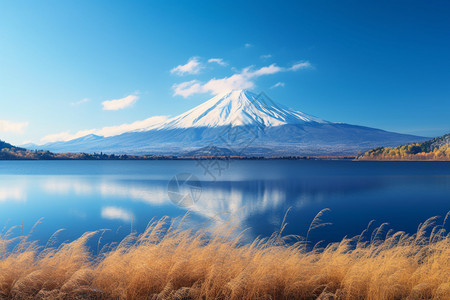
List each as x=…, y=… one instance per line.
x=122, y=196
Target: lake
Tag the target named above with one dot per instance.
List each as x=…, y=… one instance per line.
x=124, y=196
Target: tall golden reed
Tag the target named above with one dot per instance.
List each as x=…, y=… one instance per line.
x=169, y=262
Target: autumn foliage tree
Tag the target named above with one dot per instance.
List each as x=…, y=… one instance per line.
x=435, y=149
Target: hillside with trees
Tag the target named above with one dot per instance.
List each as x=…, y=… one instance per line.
x=5, y=145
x=10, y=152
x=435, y=149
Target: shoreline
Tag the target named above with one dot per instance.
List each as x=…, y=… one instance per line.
x=140, y=158
x=86, y=156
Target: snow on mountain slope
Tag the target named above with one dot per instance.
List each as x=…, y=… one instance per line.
x=245, y=124
x=236, y=108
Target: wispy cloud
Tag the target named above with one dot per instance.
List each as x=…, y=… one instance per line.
x=278, y=84
x=106, y=131
x=266, y=56
x=188, y=88
x=218, y=61
x=14, y=127
x=301, y=65
x=248, y=45
x=122, y=103
x=84, y=100
x=116, y=213
x=57, y=137
x=241, y=80
x=193, y=66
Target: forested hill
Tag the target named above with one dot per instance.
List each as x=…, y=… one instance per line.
x=435, y=149
x=10, y=152
x=5, y=145
x=438, y=142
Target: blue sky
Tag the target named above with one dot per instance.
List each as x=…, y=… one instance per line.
x=383, y=64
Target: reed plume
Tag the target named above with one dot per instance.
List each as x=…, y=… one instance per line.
x=167, y=261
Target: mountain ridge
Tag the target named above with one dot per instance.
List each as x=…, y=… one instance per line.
x=248, y=124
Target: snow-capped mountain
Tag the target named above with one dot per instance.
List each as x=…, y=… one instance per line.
x=240, y=122
x=238, y=108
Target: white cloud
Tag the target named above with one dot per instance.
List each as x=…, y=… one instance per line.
x=188, y=88
x=14, y=127
x=218, y=61
x=62, y=136
x=242, y=80
x=84, y=100
x=248, y=45
x=116, y=213
x=106, y=131
x=193, y=66
x=277, y=85
x=301, y=65
x=272, y=69
x=122, y=103
x=266, y=56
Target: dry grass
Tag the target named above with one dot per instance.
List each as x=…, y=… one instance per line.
x=168, y=262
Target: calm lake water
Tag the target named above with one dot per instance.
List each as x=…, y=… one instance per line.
x=82, y=196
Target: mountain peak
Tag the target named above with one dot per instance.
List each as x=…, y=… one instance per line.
x=275, y=130
x=238, y=108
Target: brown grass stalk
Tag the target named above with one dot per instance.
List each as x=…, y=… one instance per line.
x=169, y=262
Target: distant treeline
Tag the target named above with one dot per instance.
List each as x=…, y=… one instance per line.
x=22, y=154
x=10, y=152
x=435, y=149
x=14, y=153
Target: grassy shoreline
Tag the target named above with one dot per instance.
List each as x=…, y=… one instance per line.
x=169, y=262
